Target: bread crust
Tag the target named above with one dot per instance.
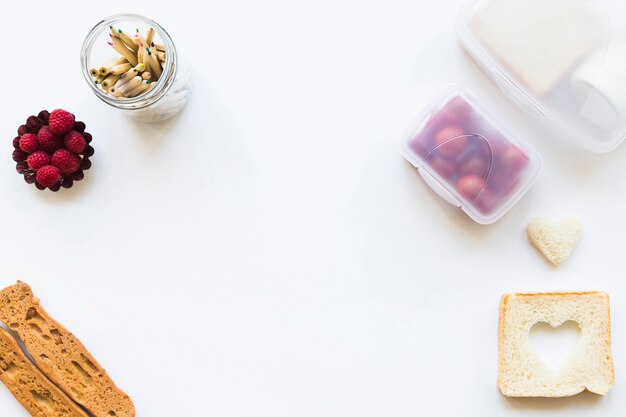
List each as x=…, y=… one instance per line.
x=29, y=386
x=504, y=301
x=554, y=240
x=555, y=294
x=61, y=356
x=504, y=308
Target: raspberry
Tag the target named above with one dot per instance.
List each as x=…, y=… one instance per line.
x=52, y=150
x=38, y=159
x=65, y=161
x=28, y=143
x=61, y=121
x=48, y=176
x=47, y=140
x=75, y=142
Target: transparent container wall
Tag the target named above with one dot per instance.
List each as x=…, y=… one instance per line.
x=171, y=91
x=482, y=167
x=174, y=100
x=563, y=61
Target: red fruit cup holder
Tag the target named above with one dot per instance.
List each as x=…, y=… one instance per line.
x=469, y=160
x=57, y=160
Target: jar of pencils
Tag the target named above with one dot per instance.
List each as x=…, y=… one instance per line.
x=131, y=63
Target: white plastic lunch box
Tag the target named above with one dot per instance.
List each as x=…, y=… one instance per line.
x=563, y=61
x=470, y=159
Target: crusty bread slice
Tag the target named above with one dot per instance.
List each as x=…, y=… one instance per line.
x=521, y=372
x=554, y=240
x=61, y=356
x=29, y=386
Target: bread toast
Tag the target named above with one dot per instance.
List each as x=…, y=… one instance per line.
x=29, y=386
x=61, y=356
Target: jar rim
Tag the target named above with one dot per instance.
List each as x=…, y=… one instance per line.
x=143, y=100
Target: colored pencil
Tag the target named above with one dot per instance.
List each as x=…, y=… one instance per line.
x=119, y=46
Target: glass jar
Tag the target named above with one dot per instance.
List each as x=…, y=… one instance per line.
x=172, y=90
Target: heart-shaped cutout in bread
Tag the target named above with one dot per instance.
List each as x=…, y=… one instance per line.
x=554, y=345
x=555, y=240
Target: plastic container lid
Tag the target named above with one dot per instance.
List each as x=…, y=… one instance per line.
x=563, y=61
x=469, y=159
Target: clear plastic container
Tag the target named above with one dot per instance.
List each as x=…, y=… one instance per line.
x=469, y=159
x=171, y=91
x=563, y=61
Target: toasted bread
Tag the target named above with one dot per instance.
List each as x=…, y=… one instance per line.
x=29, y=386
x=61, y=356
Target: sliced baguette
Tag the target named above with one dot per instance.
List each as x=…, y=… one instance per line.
x=61, y=356
x=29, y=386
x=521, y=372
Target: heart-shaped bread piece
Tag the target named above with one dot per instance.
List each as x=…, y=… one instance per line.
x=555, y=240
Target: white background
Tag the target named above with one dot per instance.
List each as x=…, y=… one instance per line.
x=269, y=253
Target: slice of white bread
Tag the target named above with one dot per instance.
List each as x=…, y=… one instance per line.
x=29, y=386
x=539, y=41
x=61, y=356
x=554, y=240
x=521, y=372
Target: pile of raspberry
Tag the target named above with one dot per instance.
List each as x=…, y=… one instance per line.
x=52, y=150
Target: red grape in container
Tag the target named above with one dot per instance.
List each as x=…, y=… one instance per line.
x=469, y=159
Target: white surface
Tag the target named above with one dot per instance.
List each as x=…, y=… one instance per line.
x=269, y=253
x=555, y=346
